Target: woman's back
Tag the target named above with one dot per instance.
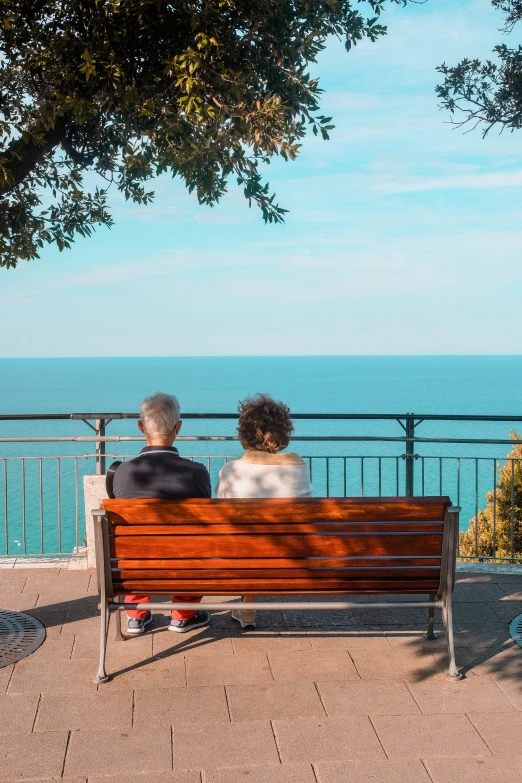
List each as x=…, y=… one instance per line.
x=259, y=474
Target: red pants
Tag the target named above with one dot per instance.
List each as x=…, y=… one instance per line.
x=144, y=599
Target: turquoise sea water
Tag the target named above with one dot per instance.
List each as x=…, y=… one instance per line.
x=394, y=384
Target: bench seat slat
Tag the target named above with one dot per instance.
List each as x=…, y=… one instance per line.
x=271, y=586
x=293, y=573
x=319, y=528
x=239, y=564
x=276, y=546
x=273, y=509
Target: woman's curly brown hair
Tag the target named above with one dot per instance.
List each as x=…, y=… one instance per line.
x=264, y=424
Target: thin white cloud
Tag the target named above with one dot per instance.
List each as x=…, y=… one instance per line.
x=487, y=180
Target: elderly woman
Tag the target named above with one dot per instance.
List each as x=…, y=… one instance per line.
x=264, y=470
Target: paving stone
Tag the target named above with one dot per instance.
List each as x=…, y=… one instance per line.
x=41, y=576
x=397, y=664
x=416, y=641
x=33, y=755
x=155, y=673
x=10, y=578
x=87, y=647
x=504, y=663
x=474, y=577
x=17, y=601
x=279, y=700
x=6, y=673
x=490, y=636
x=427, y=735
x=113, y=751
x=475, y=694
x=57, y=579
x=471, y=615
x=507, y=610
x=180, y=705
x=512, y=590
x=162, y=777
x=102, y=710
x=46, y=780
x=480, y=769
x=312, y=665
x=367, y=697
x=344, y=639
x=393, y=771
x=512, y=688
x=270, y=641
x=201, y=642
x=326, y=619
x=393, y=617
x=214, y=745
x=17, y=712
x=51, y=677
x=502, y=733
x=55, y=648
x=9, y=590
x=84, y=607
x=85, y=625
x=144, y=777
x=350, y=738
x=282, y=773
x=477, y=593
x=240, y=669
x=51, y=618
x=268, y=620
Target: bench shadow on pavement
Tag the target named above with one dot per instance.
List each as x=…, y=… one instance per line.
x=84, y=608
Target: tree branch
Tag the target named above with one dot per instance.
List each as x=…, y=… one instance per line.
x=20, y=158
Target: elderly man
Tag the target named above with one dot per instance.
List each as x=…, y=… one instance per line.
x=159, y=472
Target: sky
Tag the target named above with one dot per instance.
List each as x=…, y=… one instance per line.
x=403, y=236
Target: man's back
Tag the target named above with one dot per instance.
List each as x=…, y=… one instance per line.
x=159, y=472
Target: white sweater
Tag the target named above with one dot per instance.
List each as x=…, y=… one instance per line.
x=258, y=474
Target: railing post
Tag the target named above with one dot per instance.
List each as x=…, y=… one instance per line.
x=410, y=454
x=100, y=446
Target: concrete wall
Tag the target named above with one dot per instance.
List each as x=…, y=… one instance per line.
x=94, y=492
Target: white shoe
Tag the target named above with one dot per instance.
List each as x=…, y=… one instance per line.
x=245, y=618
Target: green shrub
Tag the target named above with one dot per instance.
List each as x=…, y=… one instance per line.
x=494, y=531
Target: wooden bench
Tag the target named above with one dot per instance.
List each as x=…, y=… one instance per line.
x=310, y=546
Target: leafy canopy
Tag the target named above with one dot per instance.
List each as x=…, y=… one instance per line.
x=487, y=93
x=129, y=89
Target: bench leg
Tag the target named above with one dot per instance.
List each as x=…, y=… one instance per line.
x=104, y=630
x=430, y=633
x=447, y=616
x=118, y=636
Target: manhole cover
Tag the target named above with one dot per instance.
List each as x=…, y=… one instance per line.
x=20, y=635
x=515, y=629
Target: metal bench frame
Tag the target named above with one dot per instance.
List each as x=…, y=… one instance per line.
x=442, y=600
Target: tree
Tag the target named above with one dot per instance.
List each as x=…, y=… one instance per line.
x=128, y=89
x=487, y=93
x=495, y=521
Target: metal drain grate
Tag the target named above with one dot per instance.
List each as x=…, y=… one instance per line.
x=515, y=629
x=20, y=635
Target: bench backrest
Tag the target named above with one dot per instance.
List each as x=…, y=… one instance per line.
x=270, y=547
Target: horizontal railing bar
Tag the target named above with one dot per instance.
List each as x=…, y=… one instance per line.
x=307, y=438
x=236, y=456
x=301, y=416
x=287, y=607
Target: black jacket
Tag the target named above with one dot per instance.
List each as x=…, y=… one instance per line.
x=159, y=472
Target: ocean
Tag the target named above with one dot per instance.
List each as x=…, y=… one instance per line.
x=477, y=385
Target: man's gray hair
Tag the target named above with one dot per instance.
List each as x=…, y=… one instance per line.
x=159, y=414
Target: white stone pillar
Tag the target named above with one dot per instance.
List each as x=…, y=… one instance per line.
x=93, y=492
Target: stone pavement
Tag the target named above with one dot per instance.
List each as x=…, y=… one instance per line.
x=346, y=697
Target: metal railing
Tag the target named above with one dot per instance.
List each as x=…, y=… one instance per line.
x=42, y=495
